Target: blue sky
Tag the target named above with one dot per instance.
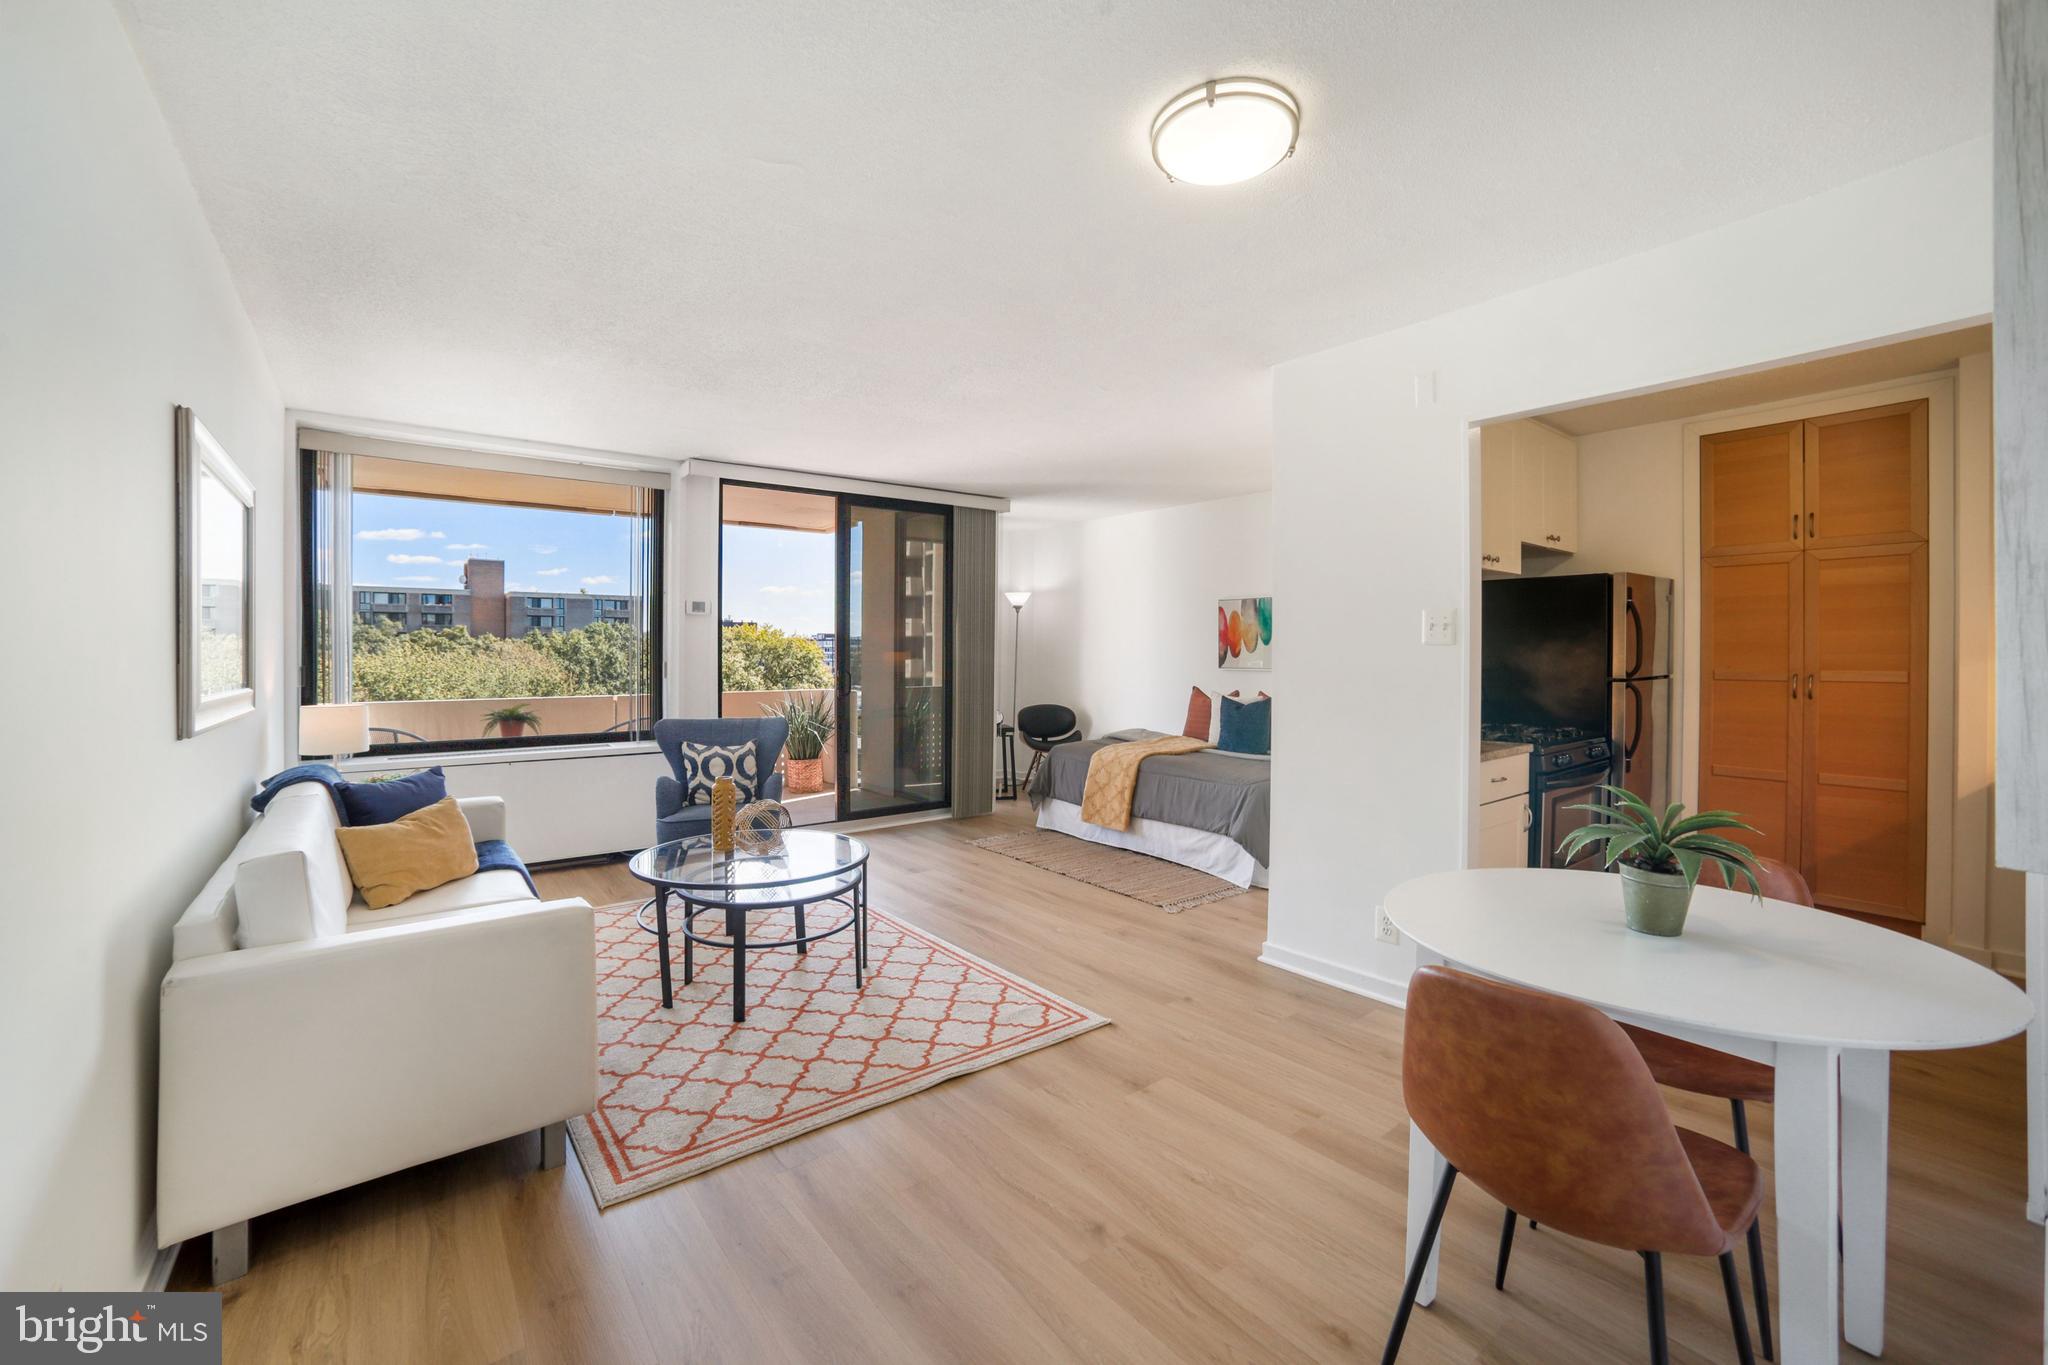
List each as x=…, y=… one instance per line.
x=779, y=578
x=421, y=543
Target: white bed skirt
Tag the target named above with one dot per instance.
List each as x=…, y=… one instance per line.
x=1197, y=848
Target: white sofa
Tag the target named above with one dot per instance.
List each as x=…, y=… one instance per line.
x=309, y=1043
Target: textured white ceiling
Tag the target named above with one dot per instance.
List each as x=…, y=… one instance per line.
x=924, y=241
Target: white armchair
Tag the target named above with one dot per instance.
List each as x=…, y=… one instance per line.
x=369, y=1042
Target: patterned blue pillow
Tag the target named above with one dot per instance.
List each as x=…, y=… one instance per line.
x=704, y=764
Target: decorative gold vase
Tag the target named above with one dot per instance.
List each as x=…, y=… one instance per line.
x=725, y=800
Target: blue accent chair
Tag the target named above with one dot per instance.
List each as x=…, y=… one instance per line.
x=673, y=819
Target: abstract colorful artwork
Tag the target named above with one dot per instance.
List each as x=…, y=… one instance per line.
x=1244, y=632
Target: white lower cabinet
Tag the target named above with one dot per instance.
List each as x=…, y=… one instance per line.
x=1504, y=833
x=1503, y=812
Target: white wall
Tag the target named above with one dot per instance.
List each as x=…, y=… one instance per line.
x=1122, y=619
x=115, y=305
x=1374, y=500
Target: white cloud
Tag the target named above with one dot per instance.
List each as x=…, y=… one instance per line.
x=394, y=533
x=414, y=559
x=478, y=546
x=545, y=549
x=414, y=578
x=598, y=581
x=437, y=535
x=550, y=573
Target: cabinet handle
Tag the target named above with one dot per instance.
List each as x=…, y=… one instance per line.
x=1812, y=525
x=1795, y=526
x=1809, y=687
x=1496, y=779
x=1795, y=687
x=1525, y=817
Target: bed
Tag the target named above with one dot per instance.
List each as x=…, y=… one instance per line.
x=1211, y=810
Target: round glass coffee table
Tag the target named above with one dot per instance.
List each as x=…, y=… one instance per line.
x=811, y=868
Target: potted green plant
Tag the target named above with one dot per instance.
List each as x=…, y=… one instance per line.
x=1659, y=857
x=510, y=721
x=811, y=723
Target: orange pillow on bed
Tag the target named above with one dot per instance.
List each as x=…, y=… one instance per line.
x=1202, y=713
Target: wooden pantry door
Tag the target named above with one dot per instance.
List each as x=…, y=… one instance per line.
x=1752, y=490
x=1751, y=740
x=1866, y=477
x=1864, y=799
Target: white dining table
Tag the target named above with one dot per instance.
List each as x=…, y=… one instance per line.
x=1822, y=998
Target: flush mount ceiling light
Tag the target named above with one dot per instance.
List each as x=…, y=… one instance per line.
x=1224, y=131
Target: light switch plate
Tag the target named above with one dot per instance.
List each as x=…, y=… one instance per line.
x=1440, y=627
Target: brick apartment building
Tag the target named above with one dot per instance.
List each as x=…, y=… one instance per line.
x=483, y=607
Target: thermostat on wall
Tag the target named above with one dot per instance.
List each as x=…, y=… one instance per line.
x=699, y=607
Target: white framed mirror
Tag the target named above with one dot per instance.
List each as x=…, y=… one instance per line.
x=216, y=511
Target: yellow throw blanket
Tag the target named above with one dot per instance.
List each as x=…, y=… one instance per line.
x=1113, y=776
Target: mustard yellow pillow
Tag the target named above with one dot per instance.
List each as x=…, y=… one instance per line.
x=428, y=848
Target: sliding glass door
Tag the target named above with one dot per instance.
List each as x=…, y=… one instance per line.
x=840, y=608
x=895, y=670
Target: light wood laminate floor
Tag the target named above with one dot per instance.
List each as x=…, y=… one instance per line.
x=1219, y=1175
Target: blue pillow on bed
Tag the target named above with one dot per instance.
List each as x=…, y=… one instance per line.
x=379, y=803
x=1247, y=726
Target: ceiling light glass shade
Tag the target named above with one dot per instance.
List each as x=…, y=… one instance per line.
x=1018, y=599
x=1224, y=131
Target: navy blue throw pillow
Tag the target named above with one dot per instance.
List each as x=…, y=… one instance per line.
x=704, y=764
x=379, y=803
x=1247, y=726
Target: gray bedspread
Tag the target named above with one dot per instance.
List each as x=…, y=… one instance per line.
x=1225, y=794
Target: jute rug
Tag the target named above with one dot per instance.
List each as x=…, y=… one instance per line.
x=683, y=1090
x=1155, y=881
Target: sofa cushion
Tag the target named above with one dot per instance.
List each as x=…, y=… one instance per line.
x=379, y=803
x=413, y=853
x=499, y=887
x=704, y=764
x=290, y=883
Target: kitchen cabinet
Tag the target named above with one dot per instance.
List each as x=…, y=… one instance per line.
x=1813, y=642
x=1546, y=488
x=1500, y=539
x=1528, y=493
x=1503, y=811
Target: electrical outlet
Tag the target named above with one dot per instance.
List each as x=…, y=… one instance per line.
x=1383, y=928
x=1440, y=627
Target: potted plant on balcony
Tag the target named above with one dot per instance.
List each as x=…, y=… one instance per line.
x=510, y=721
x=1659, y=857
x=810, y=726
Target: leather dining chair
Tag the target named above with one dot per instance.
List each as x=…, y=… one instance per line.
x=1706, y=1071
x=1544, y=1103
x=1741, y=1082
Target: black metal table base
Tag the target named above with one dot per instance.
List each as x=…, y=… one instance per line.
x=854, y=898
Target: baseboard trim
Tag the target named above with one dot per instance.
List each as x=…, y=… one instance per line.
x=160, y=1269
x=1383, y=989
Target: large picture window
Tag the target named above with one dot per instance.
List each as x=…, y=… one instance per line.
x=479, y=608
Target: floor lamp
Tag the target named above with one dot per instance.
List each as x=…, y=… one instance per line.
x=1008, y=732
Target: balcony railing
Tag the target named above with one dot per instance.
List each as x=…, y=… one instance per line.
x=440, y=722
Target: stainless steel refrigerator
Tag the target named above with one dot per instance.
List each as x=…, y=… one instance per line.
x=1586, y=652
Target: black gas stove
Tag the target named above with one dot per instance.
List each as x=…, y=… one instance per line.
x=1567, y=767
x=1555, y=747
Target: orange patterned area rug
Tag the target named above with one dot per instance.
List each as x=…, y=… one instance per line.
x=686, y=1089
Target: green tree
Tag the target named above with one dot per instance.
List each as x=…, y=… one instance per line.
x=760, y=658
x=431, y=665
x=604, y=658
